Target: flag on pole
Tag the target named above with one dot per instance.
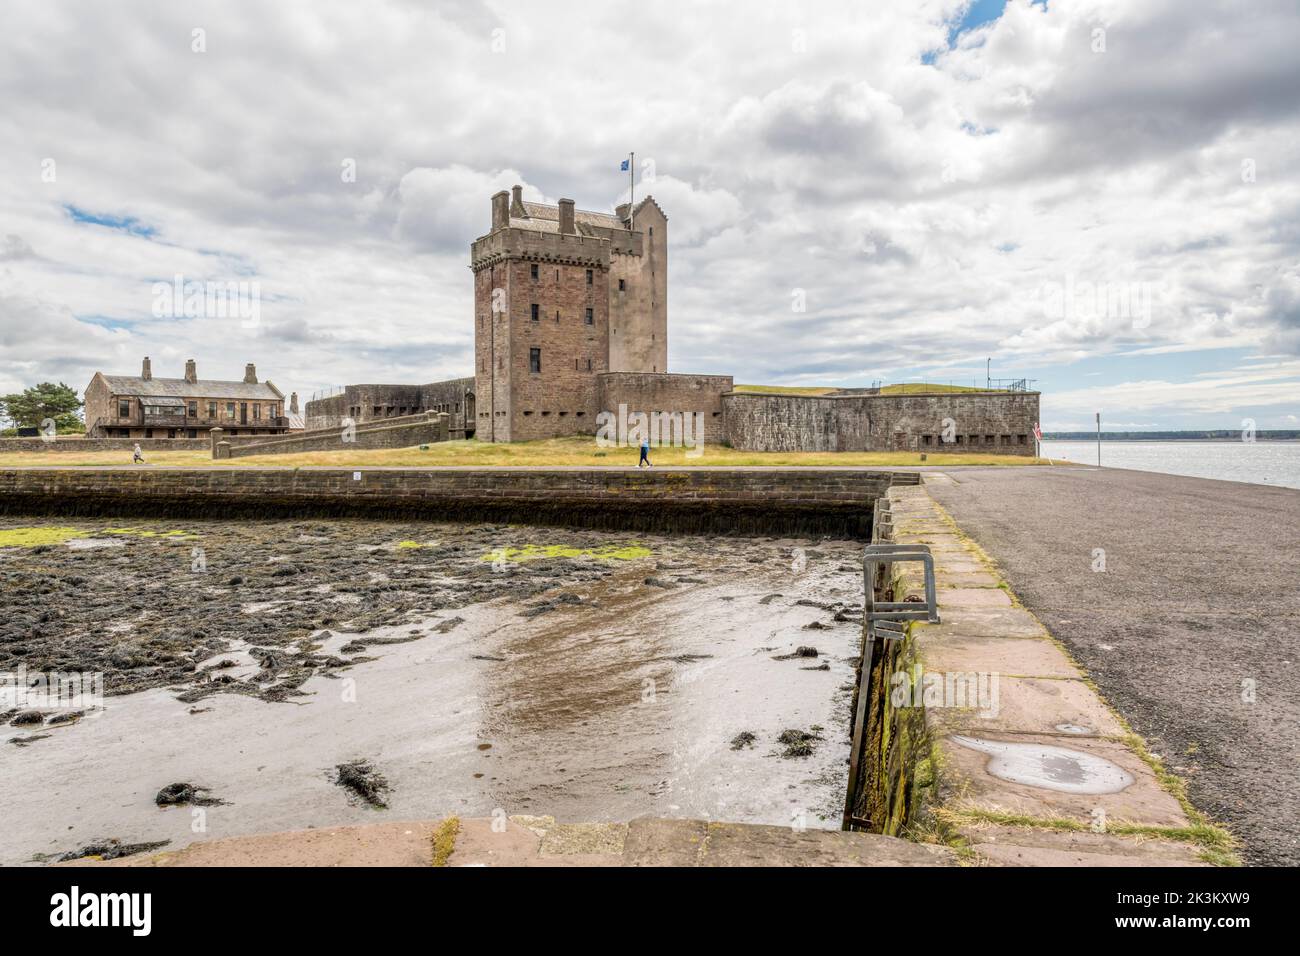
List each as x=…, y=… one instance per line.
x=1038, y=432
x=623, y=166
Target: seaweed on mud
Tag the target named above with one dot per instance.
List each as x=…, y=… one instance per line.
x=121, y=614
x=27, y=718
x=111, y=850
x=743, y=739
x=30, y=738
x=803, y=650
x=180, y=794
x=363, y=780
x=798, y=743
x=542, y=607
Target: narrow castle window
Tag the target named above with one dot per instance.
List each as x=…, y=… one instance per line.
x=533, y=269
x=590, y=277
x=535, y=360
x=590, y=317
x=537, y=312
x=622, y=285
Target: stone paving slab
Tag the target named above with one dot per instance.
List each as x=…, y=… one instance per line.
x=1009, y=656
x=913, y=579
x=1022, y=846
x=988, y=622
x=1025, y=705
x=539, y=841
x=653, y=842
x=972, y=782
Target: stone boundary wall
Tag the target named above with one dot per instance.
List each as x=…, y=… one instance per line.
x=1000, y=423
x=721, y=500
x=667, y=392
x=404, y=432
x=77, y=444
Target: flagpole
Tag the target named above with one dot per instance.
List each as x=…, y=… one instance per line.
x=631, y=205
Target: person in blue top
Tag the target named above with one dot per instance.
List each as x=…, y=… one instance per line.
x=645, y=454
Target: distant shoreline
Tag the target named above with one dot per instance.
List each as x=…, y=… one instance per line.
x=1204, y=437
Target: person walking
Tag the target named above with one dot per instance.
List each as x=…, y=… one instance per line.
x=137, y=457
x=645, y=454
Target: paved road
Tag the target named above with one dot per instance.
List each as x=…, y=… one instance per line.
x=1200, y=593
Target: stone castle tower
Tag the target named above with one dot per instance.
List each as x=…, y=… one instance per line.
x=561, y=296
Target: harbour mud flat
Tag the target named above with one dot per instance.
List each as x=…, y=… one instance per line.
x=268, y=676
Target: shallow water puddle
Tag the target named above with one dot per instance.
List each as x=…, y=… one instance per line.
x=1052, y=768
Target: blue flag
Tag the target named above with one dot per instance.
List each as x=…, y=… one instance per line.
x=623, y=166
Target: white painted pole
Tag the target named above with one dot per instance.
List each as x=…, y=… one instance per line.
x=1099, y=439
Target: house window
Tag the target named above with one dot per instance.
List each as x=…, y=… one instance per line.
x=257, y=411
x=622, y=285
x=192, y=409
x=588, y=365
x=537, y=312
x=124, y=408
x=212, y=409
x=1024, y=439
x=925, y=439
x=535, y=360
x=590, y=317
x=533, y=269
x=589, y=277
x=230, y=410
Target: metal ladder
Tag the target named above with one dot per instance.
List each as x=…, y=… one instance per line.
x=883, y=621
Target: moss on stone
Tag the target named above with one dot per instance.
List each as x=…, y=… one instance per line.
x=534, y=552
x=35, y=537
x=444, y=840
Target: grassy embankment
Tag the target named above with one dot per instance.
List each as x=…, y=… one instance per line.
x=576, y=451
x=910, y=388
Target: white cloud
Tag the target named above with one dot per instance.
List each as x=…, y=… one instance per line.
x=922, y=208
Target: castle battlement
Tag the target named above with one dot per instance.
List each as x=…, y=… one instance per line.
x=561, y=296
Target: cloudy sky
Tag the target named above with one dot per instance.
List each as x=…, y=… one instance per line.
x=1101, y=196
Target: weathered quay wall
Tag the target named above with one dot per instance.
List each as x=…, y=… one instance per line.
x=718, y=500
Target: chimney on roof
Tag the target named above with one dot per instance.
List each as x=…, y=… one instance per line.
x=146, y=370
x=191, y=371
x=517, y=202
x=250, y=374
x=566, y=216
x=293, y=403
x=500, y=210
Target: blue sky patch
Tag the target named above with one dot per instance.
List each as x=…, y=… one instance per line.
x=128, y=224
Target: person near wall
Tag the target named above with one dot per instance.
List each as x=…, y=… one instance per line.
x=645, y=453
x=137, y=457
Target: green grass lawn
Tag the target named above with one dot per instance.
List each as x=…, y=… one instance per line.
x=554, y=452
x=910, y=388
